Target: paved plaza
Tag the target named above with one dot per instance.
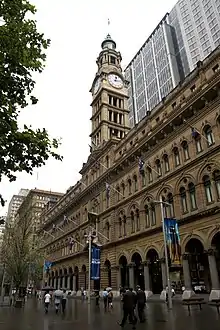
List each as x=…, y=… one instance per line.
x=79, y=316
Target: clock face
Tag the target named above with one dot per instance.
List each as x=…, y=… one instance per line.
x=97, y=85
x=115, y=80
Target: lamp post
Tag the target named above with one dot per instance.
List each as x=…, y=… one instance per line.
x=92, y=236
x=161, y=202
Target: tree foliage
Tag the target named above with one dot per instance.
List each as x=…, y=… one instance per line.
x=21, y=259
x=22, y=52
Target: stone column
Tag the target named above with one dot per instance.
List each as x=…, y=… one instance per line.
x=119, y=276
x=188, y=292
x=215, y=292
x=68, y=282
x=59, y=282
x=55, y=283
x=148, y=291
x=74, y=283
x=164, y=279
x=131, y=275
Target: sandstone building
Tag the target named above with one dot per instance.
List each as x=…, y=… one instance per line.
x=179, y=146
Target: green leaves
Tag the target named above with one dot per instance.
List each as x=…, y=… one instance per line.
x=22, y=52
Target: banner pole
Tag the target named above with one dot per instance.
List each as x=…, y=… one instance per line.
x=90, y=253
x=166, y=256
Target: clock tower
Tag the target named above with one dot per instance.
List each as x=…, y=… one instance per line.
x=109, y=93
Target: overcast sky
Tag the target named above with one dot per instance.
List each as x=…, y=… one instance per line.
x=76, y=30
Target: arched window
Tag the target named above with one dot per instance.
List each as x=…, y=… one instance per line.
x=209, y=135
x=192, y=195
x=176, y=156
x=124, y=223
x=123, y=189
x=153, y=216
x=118, y=193
x=137, y=219
x=185, y=150
x=198, y=144
x=143, y=178
x=132, y=222
x=107, y=230
x=158, y=167
x=208, y=188
x=216, y=177
x=147, y=218
x=183, y=198
x=171, y=207
x=166, y=163
x=120, y=227
x=129, y=186
x=107, y=161
x=149, y=174
x=135, y=183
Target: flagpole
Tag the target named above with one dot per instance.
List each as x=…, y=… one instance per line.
x=90, y=254
x=194, y=128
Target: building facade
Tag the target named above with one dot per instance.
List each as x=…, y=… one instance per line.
x=14, y=205
x=180, y=167
x=32, y=206
x=188, y=34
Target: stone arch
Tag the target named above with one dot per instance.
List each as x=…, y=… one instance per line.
x=187, y=176
x=120, y=212
x=132, y=205
x=211, y=234
x=147, y=198
x=195, y=235
x=123, y=254
x=206, y=124
x=165, y=187
x=137, y=251
x=152, y=247
x=204, y=170
x=84, y=276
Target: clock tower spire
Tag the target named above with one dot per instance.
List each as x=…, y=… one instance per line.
x=109, y=93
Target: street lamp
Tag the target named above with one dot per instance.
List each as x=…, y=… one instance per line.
x=91, y=237
x=161, y=202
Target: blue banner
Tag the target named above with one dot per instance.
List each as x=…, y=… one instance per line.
x=173, y=240
x=95, y=263
x=47, y=265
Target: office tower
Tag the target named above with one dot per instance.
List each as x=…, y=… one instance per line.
x=188, y=34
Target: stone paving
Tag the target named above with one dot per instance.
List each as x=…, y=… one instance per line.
x=79, y=316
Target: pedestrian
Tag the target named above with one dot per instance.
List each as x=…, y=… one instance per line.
x=134, y=305
x=47, y=298
x=97, y=297
x=57, y=303
x=128, y=308
x=105, y=298
x=63, y=301
x=110, y=299
x=141, y=301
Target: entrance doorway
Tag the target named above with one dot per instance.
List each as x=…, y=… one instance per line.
x=155, y=271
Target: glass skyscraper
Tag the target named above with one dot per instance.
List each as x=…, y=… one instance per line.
x=189, y=33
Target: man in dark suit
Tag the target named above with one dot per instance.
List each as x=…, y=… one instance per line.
x=128, y=308
x=141, y=301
